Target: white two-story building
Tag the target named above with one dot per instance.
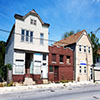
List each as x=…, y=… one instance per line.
x=83, y=58
x=27, y=47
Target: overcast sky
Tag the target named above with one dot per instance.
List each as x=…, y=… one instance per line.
x=62, y=15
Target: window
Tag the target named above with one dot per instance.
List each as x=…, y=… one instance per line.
x=41, y=38
x=22, y=35
x=37, y=61
x=61, y=58
x=32, y=21
x=19, y=60
x=50, y=68
x=79, y=47
x=84, y=69
x=68, y=59
x=80, y=69
x=31, y=36
x=54, y=57
x=44, y=56
x=84, y=48
x=44, y=64
x=27, y=35
x=97, y=59
x=88, y=49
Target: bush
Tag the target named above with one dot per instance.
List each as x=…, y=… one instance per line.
x=10, y=84
x=1, y=85
x=9, y=66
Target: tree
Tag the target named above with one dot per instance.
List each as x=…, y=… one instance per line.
x=2, y=57
x=95, y=45
x=66, y=34
x=2, y=52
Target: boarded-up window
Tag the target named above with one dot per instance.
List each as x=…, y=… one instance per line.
x=54, y=57
x=68, y=59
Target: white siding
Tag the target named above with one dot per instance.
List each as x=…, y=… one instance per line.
x=81, y=57
x=19, y=63
x=10, y=51
x=39, y=68
x=37, y=29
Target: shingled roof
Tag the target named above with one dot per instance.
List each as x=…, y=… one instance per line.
x=32, y=12
x=69, y=40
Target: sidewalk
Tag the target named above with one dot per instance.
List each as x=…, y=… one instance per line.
x=4, y=90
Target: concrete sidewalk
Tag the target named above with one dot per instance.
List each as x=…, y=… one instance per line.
x=4, y=90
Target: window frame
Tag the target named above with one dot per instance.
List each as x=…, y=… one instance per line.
x=53, y=58
x=31, y=36
x=44, y=56
x=27, y=36
x=33, y=21
x=85, y=69
x=68, y=59
x=85, y=49
x=80, y=48
x=88, y=49
x=41, y=38
x=61, y=60
x=50, y=70
x=22, y=35
x=80, y=69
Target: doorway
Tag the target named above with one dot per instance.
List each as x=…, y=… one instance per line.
x=28, y=61
x=56, y=73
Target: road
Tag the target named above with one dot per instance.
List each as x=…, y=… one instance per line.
x=83, y=92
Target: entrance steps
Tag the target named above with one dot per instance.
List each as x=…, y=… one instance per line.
x=28, y=81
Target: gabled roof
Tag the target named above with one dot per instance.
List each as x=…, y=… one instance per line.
x=17, y=16
x=33, y=12
x=69, y=40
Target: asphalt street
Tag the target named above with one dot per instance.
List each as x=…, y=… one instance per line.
x=83, y=92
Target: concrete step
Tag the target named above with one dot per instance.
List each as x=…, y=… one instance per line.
x=28, y=81
x=45, y=81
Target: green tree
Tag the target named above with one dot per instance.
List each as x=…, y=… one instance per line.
x=95, y=45
x=2, y=57
x=2, y=52
x=66, y=34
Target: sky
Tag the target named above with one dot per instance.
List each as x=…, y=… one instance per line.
x=62, y=15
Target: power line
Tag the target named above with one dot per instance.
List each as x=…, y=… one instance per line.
x=32, y=37
x=3, y=30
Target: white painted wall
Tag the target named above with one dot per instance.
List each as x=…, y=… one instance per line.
x=82, y=56
x=37, y=29
x=18, y=65
x=38, y=65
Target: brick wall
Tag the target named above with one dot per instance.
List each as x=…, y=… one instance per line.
x=65, y=70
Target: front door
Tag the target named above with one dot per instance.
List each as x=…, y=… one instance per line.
x=56, y=73
x=28, y=63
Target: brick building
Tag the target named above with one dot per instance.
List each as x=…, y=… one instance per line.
x=60, y=64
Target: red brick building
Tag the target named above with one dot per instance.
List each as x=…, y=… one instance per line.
x=60, y=64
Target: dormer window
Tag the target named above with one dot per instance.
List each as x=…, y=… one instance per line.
x=32, y=21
